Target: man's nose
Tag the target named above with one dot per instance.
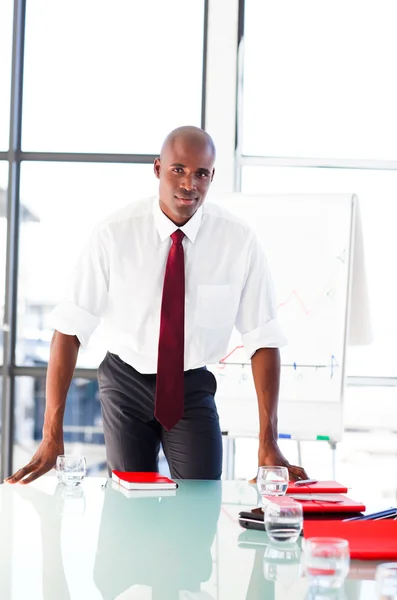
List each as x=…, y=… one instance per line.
x=189, y=182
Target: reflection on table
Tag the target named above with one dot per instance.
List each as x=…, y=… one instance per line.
x=90, y=544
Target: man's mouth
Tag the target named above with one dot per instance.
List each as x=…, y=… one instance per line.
x=185, y=200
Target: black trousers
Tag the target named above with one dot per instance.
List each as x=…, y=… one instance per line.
x=193, y=447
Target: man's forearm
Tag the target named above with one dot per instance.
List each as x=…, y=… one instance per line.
x=266, y=372
x=61, y=365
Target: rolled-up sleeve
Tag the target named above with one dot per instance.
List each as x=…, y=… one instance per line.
x=85, y=297
x=257, y=313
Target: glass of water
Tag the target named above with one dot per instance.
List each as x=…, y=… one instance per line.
x=70, y=469
x=272, y=481
x=326, y=561
x=283, y=520
x=386, y=581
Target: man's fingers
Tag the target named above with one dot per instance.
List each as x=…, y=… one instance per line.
x=21, y=473
x=252, y=480
x=297, y=472
x=35, y=475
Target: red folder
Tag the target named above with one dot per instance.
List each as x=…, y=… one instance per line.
x=331, y=487
x=320, y=505
x=143, y=481
x=368, y=540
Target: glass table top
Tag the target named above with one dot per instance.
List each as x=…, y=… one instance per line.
x=89, y=543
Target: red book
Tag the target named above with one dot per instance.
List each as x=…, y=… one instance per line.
x=321, y=487
x=368, y=540
x=146, y=493
x=143, y=481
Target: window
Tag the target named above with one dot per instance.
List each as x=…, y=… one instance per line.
x=377, y=194
x=64, y=201
x=82, y=422
x=118, y=77
x=318, y=79
x=357, y=452
x=6, y=7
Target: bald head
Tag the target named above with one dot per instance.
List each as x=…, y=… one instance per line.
x=185, y=169
x=188, y=135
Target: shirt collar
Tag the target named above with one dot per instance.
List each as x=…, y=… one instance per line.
x=166, y=227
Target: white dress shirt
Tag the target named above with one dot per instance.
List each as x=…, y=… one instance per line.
x=119, y=277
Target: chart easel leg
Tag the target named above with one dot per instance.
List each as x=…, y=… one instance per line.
x=332, y=445
x=299, y=448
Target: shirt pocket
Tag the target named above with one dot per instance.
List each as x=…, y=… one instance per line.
x=215, y=306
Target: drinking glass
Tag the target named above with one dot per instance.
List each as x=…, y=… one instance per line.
x=70, y=469
x=386, y=581
x=283, y=520
x=326, y=561
x=272, y=481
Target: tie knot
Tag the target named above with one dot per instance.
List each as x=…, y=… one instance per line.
x=177, y=236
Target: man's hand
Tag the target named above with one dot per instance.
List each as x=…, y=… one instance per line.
x=270, y=455
x=43, y=461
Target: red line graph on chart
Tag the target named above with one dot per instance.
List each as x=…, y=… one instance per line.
x=294, y=295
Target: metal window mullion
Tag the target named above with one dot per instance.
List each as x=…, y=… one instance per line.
x=205, y=53
x=331, y=163
x=79, y=372
x=11, y=277
x=92, y=157
x=91, y=374
x=239, y=97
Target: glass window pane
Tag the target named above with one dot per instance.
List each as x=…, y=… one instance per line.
x=82, y=424
x=3, y=244
x=318, y=79
x=118, y=78
x=357, y=452
x=377, y=194
x=6, y=8
x=64, y=200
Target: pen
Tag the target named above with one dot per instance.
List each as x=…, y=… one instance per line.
x=384, y=514
x=306, y=481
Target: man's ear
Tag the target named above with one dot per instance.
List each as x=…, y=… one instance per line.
x=157, y=167
x=212, y=174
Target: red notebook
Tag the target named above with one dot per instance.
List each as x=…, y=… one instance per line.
x=331, y=487
x=368, y=540
x=143, y=481
x=332, y=503
x=143, y=493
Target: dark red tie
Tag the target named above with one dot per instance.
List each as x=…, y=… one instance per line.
x=170, y=365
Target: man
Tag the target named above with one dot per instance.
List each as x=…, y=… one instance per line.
x=169, y=277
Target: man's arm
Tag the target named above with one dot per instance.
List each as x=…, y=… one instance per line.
x=265, y=364
x=61, y=365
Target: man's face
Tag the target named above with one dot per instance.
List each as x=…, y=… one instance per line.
x=185, y=171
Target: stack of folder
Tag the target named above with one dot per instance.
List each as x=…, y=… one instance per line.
x=371, y=537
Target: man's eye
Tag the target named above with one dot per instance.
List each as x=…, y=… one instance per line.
x=178, y=170
x=202, y=175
